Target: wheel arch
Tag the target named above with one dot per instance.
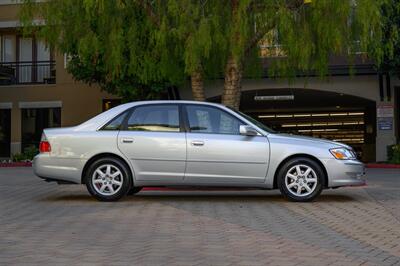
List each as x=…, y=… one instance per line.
x=104, y=155
x=301, y=155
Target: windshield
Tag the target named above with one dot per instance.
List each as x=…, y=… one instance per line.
x=254, y=121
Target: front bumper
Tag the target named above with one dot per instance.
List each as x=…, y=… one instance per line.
x=345, y=173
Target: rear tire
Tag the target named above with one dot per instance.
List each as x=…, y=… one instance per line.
x=301, y=179
x=108, y=179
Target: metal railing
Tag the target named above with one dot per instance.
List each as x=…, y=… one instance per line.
x=27, y=72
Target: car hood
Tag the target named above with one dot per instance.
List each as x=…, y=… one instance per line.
x=311, y=139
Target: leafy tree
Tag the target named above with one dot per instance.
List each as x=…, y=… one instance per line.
x=391, y=38
x=112, y=43
x=150, y=44
x=309, y=32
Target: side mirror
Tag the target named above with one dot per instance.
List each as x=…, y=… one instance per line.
x=247, y=130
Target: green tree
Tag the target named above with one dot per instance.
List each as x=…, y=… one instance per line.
x=115, y=44
x=131, y=47
x=391, y=38
x=309, y=32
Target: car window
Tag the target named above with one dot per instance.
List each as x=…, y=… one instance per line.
x=203, y=119
x=115, y=123
x=154, y=118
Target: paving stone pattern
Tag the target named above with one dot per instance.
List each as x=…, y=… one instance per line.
x=47, y=224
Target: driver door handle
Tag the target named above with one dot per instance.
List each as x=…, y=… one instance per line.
x=197, y=143
x=127, y=140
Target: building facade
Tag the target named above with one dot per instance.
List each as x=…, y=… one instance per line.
x=36, y=91
x=361, y=110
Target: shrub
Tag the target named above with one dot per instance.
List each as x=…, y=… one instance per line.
x=26, y=155
x=393, y=153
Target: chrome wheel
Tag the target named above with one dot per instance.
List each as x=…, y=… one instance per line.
x=301, y=180
x=107, y=179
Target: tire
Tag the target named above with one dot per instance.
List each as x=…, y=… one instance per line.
x=108, y=179
x=134, y=190
x=304, y=187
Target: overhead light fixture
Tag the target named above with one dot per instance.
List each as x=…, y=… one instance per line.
x=338, y=114
x=282, y=116
x=266, y=116
x=302, y=115
x=319, y=114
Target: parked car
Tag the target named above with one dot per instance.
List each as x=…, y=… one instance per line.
x=185, y=143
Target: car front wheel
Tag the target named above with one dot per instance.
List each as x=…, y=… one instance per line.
x=301, y=179
x=108, y=179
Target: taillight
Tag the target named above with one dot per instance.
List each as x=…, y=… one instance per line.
x=44, y=145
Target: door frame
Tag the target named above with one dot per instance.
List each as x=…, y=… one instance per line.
x=181, y=111
x=8, y=133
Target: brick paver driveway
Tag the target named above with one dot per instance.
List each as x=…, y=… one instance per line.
x=42, y=223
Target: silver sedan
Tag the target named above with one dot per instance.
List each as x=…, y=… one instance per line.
x=184, y=143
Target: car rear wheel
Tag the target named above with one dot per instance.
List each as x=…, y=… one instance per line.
x=108, y=179
x=301, y=179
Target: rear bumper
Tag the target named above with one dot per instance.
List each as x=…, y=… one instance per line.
x=345, y=173
x=67, y=170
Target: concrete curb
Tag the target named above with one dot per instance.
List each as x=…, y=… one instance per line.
x=16, y=164
x=383, y=166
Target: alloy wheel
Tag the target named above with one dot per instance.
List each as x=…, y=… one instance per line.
x=301, y=180
x=107, y=179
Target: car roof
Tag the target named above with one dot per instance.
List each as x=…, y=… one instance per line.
x=170, y=102
x=99, y=120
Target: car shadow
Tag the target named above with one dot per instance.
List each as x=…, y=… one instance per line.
x=198, y=197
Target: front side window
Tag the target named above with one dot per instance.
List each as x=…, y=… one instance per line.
x=204, y=119
x=164, y=118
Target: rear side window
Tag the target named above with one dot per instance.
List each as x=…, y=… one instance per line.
x=115, y=123
x=161, y=118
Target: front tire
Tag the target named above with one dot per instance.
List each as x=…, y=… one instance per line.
x=301, y=179
x=108, y=179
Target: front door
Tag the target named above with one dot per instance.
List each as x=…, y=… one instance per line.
x=218, y=154
x=155, y=144
x=5, y=132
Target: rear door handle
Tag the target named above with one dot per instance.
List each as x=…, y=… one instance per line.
x=127, y=140
x=197, y=143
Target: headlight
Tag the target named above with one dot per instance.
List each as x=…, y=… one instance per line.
x=343, y=154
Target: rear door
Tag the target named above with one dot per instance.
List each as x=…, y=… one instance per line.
x=155, y=143
x=218, y=153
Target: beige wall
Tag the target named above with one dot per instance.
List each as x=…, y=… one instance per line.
x=79, y=101
x=9, y=12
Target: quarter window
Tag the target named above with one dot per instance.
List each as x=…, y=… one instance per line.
x=116, y=123
x=164, y=118
x=203, y=119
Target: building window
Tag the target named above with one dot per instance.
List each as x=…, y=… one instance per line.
x=110, y=103
x=25, y=60
x=34, y=120
x=270, y=46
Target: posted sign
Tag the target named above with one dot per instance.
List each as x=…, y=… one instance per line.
x=385, y=114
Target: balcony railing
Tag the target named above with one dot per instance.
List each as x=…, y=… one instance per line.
x=27, y=72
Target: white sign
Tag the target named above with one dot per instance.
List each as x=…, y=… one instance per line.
x=385, y=110
x=274, y=98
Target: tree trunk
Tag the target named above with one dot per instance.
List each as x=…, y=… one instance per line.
x=197, y=86
x=232, y=85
